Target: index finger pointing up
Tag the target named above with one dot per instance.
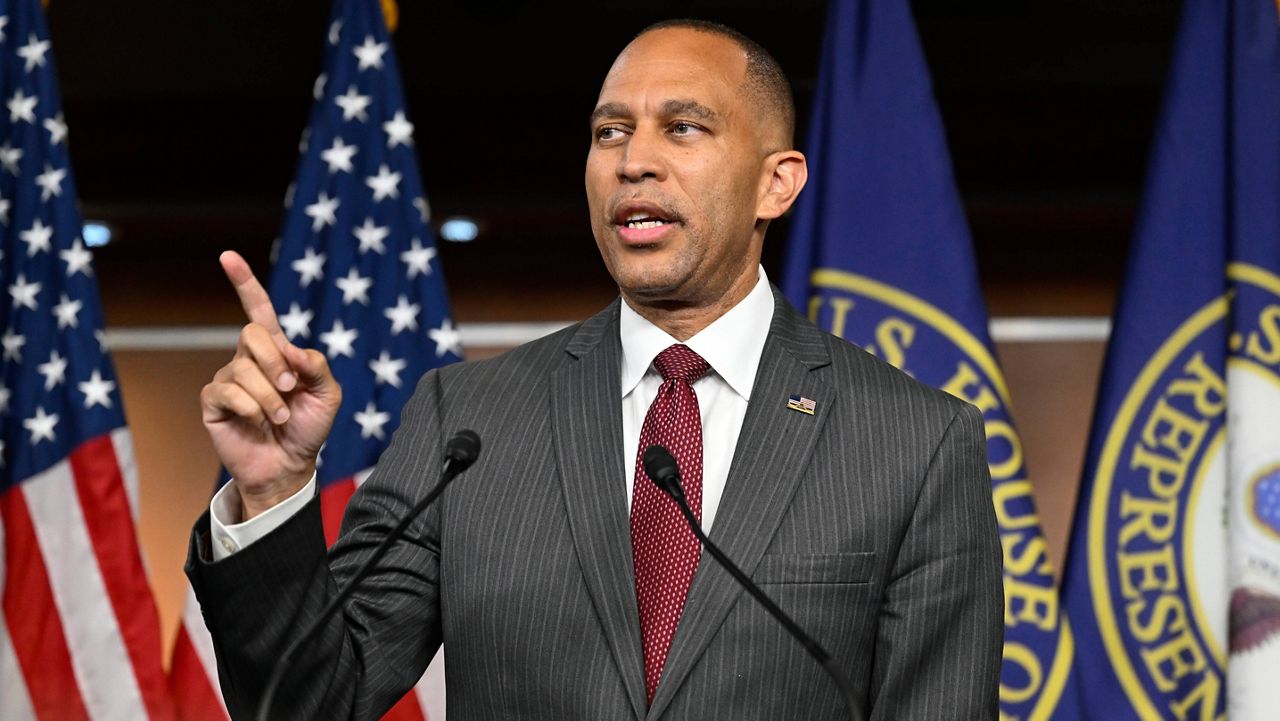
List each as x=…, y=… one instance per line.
x=253, y=297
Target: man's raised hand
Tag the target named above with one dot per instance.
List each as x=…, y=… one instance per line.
x=270, y=409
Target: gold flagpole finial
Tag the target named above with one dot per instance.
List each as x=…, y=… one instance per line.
x=391, y=12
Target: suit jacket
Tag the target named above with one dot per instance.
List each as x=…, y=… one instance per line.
x=870, y=522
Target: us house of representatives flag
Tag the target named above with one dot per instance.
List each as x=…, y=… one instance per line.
x=356, y=277
x=1173, y=575
x=79, y=633
x=880, y=255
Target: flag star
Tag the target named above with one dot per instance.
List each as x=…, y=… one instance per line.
x=5, y=394
x=340, y=340
x=418, y=259
x=370, y=53
x=310, y=266
x=54, y=370
x=447, y=339
x=97, y=390
x=371, y=421
x=66, y=312
x=33, y=52
x=24, y=293
x=50, y=181
x=323, y=212
x=371, y=237
x=338, y=156
x=354, y=287
x=387, y=369
x=317, y=89
x=4, y=20
x=297, y=322
x=57, y=128
x=22, y=107
x=288, y=196
x=13, y=345
x=37, y=237
x=101, y=336
x=304, y=140
x=10, y=156
x=424, y=210
x=4, y=211
x=335, y=32
x=399, y=130
x=41, y=425
x=385, y=184
x=404, y=316
x=353, y=104
x=78, y=259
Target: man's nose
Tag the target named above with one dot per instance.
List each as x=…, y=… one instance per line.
x=642, y=157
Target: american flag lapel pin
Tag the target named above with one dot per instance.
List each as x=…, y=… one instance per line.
x=802, y=404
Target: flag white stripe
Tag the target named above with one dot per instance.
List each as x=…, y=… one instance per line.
x=99, y=658
x=125, y=459
x=15, y=702
x=430, y=689
x=202, y=642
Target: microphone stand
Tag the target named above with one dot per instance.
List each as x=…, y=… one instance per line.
x=661, y=468
x=461, y=452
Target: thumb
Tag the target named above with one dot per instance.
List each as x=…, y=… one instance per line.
x=311, y=367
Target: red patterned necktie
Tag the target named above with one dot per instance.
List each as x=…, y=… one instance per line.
x=663, y=547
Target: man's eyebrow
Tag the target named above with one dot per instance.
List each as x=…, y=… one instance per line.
x=610, y=110
x=688, y=108
x=691, y=108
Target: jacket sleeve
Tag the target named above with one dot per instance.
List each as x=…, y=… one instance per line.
x=941, y=628
x=371, y=652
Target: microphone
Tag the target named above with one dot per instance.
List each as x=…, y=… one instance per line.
x=460, y=452
x=661, y=468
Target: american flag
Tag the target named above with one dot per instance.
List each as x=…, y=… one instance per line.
x=79, y=637
x=356, y=277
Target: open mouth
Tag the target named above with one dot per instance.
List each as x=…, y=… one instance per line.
x=644, y=221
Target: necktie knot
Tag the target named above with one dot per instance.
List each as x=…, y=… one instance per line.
x=679, y=362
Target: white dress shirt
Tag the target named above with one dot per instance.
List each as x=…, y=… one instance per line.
x=731, y=345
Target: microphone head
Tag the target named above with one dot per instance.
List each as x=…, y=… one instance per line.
x=463, y=449
x=661, y=468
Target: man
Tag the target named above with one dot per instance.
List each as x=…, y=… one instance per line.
x=562, y=583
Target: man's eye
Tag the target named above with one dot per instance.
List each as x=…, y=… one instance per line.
x=683, y=128
x=608, y=133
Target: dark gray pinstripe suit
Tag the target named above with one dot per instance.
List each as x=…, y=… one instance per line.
x=870, y=522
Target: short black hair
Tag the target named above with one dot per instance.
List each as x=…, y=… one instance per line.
x=765, y=79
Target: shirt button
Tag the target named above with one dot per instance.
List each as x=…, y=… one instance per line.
x=228, y=544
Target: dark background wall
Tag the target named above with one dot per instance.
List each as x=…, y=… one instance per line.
x=185, y=119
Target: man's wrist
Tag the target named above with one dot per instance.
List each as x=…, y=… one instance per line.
x=256, y=502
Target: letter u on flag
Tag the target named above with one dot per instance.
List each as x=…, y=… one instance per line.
x=1173, y=575
x=880, y=255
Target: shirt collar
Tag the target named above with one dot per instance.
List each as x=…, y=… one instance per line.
x=732, y=344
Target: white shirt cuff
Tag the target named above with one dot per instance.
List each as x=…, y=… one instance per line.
x=230, y=535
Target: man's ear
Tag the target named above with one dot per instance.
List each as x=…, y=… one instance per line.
x=785, y=174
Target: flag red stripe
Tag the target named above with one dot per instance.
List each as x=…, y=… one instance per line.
x=333, y=502
x=109, y=521
x=192, y=692
x=35, y=627
x=406, y=709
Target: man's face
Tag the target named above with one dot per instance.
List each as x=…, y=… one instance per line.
x=676, y=169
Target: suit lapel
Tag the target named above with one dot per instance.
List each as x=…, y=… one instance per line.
x=773, y=450
x=586, y=413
